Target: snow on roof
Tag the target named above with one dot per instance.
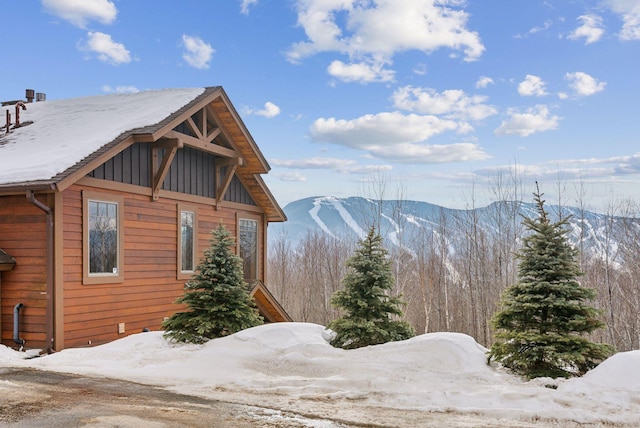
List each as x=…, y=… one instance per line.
x=64, y=132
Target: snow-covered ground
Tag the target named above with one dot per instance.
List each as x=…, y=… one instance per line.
x=292, y=366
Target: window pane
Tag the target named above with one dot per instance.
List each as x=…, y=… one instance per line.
x=249, y=248
x=187, y=240
x=103, y=237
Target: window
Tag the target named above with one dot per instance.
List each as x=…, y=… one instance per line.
x=187, y=241
x=102, y=238
x=248, y=247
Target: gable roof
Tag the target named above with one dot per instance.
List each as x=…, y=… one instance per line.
x=268, y=305
x=60, y=141
x=64, y=132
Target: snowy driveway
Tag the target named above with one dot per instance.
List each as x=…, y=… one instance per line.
x=33, y=398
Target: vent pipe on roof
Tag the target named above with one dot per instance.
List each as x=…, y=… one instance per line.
x=41, y=96
x=30, y=94
x=19, y=105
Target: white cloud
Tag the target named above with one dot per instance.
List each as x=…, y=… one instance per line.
x=345, y=166
x=270, y=110
x=629, y=11
x=538, y=29
x=381, y=128
x=532, y=86
x=536, y=119
x=628, y=165
x=245, y=5
x=360, y=72
x=591, y=29
x=120, y=89
x=580, y=169
x=372, y=32
x=420, y=69
x=198, y=53
x=430, y=153
x=583, y=84
x=396, y=136
x=80, y=12
x=544, y=27
x=484, y=81
x=452, y=103
x=293, y=176
x=107, y=50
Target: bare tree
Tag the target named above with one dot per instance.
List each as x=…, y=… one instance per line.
x=451, y=271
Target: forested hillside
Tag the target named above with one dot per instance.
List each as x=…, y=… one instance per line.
x=450, y=265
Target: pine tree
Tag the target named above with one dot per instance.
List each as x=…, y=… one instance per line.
x=217, y=297
x=543, y=317
x=365, y=298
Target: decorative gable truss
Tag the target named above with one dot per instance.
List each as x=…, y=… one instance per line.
x=154, y=156
x=199, y=131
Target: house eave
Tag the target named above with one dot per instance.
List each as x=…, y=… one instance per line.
x=22, y=187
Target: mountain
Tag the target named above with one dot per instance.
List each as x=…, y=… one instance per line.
x=402, y=220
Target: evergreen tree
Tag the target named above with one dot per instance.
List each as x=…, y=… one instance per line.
x=217, y=296
x=543, y=317
x=365, y=298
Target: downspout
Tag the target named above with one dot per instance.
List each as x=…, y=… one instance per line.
x=50, y=268
x=16, y=324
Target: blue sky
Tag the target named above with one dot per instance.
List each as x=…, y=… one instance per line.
x=444, y=101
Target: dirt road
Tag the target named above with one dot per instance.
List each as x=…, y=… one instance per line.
x=31, y=398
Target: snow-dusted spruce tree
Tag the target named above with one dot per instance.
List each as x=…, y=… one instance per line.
x=217, y=297
x=544, y=315
x=365, y=299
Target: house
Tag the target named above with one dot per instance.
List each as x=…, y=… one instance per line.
x=107, y=203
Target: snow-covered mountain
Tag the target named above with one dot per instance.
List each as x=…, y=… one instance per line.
x=401, y=220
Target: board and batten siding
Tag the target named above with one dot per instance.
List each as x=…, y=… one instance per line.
x=92, y=312
x=23, y=236
x=192, y=172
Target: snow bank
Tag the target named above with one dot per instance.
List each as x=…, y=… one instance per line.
x=294, y=361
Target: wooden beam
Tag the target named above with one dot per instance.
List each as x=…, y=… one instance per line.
x=213, y=135
x=215, y=119
x=202, y=145
x=232, y=165
x=163, y=168
x=167, y=143
x=230, y=161
x=203, y=121
x=194, y=128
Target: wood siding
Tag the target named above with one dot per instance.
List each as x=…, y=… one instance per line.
x=23, y=236
x=207, y=138
x=92, y=312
